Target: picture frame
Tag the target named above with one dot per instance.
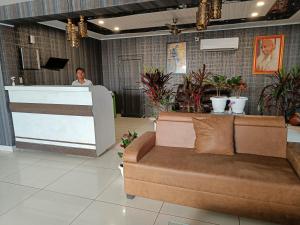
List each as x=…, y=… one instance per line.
x=268, y=54
x=176, y=58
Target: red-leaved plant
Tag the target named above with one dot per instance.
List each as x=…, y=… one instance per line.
x=155, y=85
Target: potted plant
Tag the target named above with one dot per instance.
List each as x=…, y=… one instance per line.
x=194, y=87
x=282, y=95
x=237, y=85
x=155, y=86
x=125, y=141
x=219, y=102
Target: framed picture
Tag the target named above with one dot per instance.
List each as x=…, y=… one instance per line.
x=176, y=57
x=268, y=54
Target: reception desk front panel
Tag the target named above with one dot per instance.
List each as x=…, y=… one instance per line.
x=77, y=120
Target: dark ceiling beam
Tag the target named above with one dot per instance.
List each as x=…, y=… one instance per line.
x=44, y=8
x=283, y=9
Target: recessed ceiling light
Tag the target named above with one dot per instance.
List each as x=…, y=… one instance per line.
x=101, y=22
x=116, y=28
x=260, y=3
x=254, y=14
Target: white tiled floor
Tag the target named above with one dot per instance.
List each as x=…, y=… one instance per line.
x=43, y=188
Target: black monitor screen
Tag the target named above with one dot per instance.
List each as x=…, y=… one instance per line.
x=56, y=63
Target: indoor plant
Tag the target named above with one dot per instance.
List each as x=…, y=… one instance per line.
x=282, y=95
x=125, y=141
x=194, y=85
x=155, y=86
x=219, y=102
x=237, y=85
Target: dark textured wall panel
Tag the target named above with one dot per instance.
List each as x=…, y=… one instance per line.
x=153, y=51
x=50, y=42
x=6, y=130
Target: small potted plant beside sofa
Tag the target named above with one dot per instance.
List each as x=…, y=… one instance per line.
x=237, y=102
x=219, y=102
x=125, y=141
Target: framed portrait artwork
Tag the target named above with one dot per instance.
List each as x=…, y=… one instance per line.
x=268, y=54
x=176, y=57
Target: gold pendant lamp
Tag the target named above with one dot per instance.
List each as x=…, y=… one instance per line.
x=216, y=9
x=69, y=29
x=74, y=37
x=82, y=28
x=203, y=15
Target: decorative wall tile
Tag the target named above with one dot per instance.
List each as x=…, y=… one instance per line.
x=230, y=63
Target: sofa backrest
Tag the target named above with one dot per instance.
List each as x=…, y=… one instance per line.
x=259, y=135
x=175, y=129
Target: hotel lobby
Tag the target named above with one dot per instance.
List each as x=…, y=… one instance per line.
x=150, y=112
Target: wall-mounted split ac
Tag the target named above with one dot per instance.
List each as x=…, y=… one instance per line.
x=219, y=44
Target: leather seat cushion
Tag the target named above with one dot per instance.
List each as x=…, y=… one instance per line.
x=246, y=176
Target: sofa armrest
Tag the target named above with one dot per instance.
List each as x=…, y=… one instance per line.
x=139, y=147
x=293, y=156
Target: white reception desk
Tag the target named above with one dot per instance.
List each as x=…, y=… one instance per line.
x=73, y=120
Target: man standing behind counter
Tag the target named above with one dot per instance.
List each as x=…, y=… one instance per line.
x=81, y=81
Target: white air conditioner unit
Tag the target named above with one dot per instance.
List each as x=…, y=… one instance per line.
x=219, y=44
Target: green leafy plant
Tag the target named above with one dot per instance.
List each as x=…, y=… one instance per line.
x=155, y=86
x=237, y=85
x=282, y=95
x=126, y=140
x=219, y=82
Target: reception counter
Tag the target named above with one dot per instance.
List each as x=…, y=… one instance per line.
x=73, y=120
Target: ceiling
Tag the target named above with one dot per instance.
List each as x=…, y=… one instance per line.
x=235, y=10
x=10, y=2
x=151, y=21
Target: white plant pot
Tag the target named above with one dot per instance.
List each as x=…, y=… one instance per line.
x=121, y=168
x=238, y=104
x=153, y=119
x=219, y=104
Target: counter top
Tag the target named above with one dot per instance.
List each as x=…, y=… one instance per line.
x=48, y=88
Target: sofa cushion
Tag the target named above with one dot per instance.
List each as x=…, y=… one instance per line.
x=175, y=129
x=241, y=175
x=293, y=156
x=260, y=135
x=214, y=135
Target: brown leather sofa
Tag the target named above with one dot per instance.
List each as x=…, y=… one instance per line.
x=259, y=181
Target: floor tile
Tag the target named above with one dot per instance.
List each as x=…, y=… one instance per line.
x=114, y=193
x=11, y=195
x=14, y=157
x=84, y=181
x=173, y=220
x=247, y=221
x=45, y=208
x=140, y=125
x=109, y=159
x=199, y=214
x=35, y=176
x=100, y=213
x=8, y=167
x=62, y=157
x=67, y=165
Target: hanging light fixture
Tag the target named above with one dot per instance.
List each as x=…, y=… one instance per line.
x=69, y=29
x=74, y=37
x=216, y=9
x=82, y=28
x=203, y=15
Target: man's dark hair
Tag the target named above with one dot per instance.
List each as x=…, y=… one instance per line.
x=80, y=68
